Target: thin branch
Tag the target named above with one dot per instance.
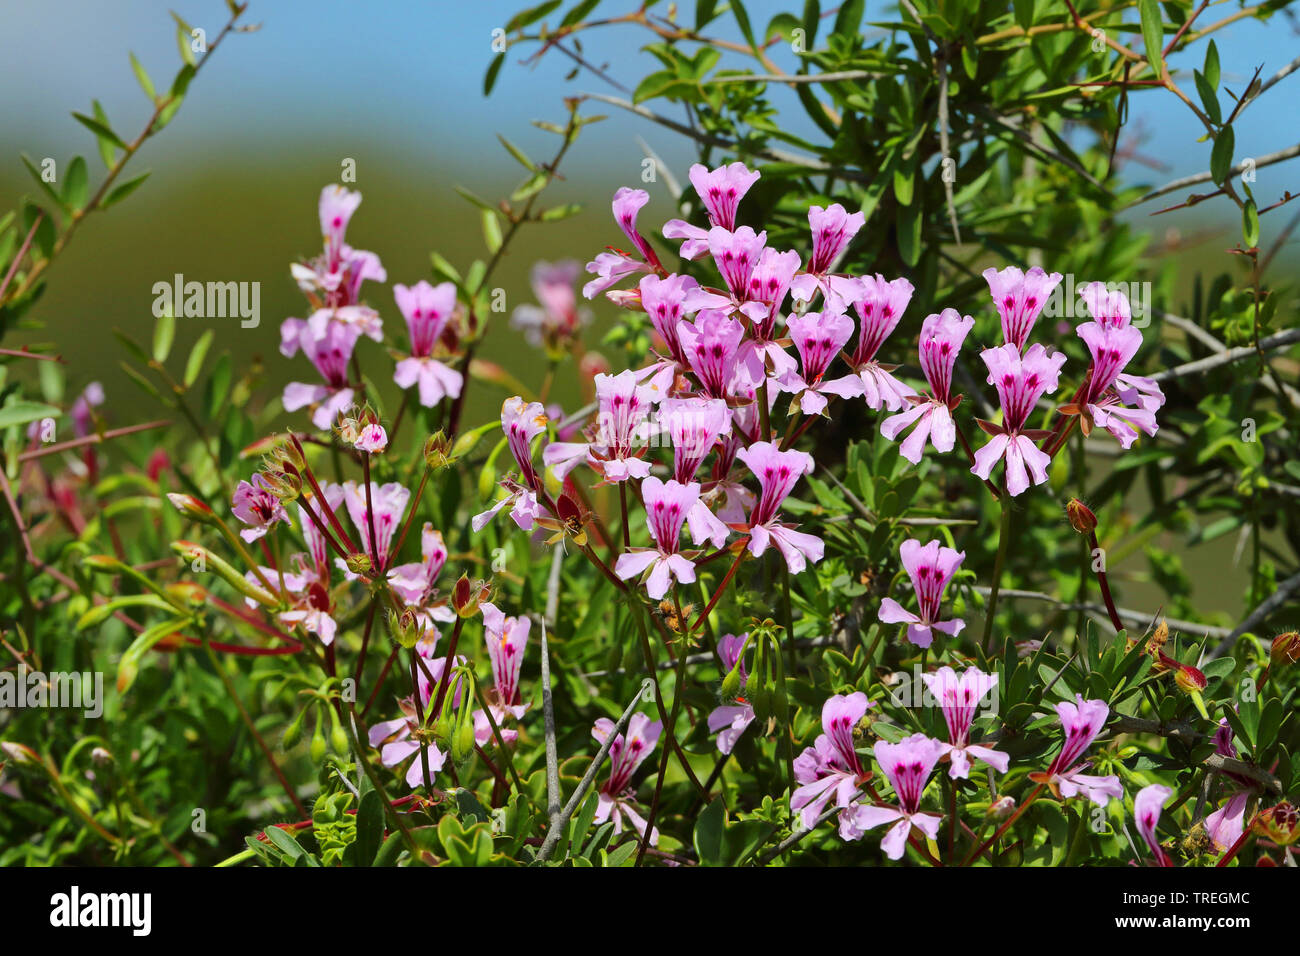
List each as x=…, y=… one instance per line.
x=1270, y=604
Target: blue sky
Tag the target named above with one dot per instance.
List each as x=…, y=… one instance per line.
x=325, y=73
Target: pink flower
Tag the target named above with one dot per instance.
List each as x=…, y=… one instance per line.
x=760, y=354
x=830, y=768
x=615, y=453
x=334, y=278
x=506, y=638
x=908, y=765
x=616, y=796
x=613, y=266
x=710, y=345
x=372, y=439
x=427, y=309
x=257, y=507
x=387, y=504
x=1122, y=404
x=414, y=582
x=1082, y=722
x=930, y=567
x=557, y=318
x=778, y=472
x=694, y=426
x=941, y=339
x=666, y=507
x=736, y=256
x=1019, y=298
x=1147, y=805
x=880, y=305
x=721, y=190
x=959, y=697
x=1109, y=309
x=664, y=301
x=1226, y=824
x=1021, y=381
x=818, y=337
x=521, y=422
x=330, y=353
x=832, y=230
x=729, y=721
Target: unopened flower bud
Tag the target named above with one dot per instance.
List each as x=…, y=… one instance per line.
x=1191, y=682
x=731, y=686
x=466, y=597
x=285, y=485
x=372, y=439
x=191, y=507
x=101, y=756
x=1081, y=517
x=437, y=450
x=462, y=743
x=360, y=564
x=1001, y=808
x=405, y=626
x=1285, y=649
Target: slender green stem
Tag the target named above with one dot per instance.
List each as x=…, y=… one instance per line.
x=1004, y=537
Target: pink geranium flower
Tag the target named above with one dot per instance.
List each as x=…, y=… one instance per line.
x=879, y=305
x=908, y=765
x=522, y=422
x=736, y=256
x=960, y=697
x=1082, y=721
x=941, y=339
x=613, y=266
x=664, y=301
x=1122, y=404
x=616, y=797
x=818, y=337
x=930, y=568
x=710, y=345
x=330, y=352
x=831, y=768
x=1019, y=298
x=760, y=354
x=257, y=507
x=1147, y=805
x=1020, y=381
x=506, y=639
x=729, y=721
x=666, y=507
x=381, y=510
x=556, y=319
x=721, y=190
x=427, y=310
x=832, y=230
x=617, y=446
x=414, y=582
x=778, y=472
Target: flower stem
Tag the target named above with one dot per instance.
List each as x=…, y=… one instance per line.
x=1004, y=537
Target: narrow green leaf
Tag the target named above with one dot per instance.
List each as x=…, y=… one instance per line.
x=1212, y=66
x=1221, y=155
x=1250, y=224
x=142, y=78
x=194, y=364
x=1152, y=34
x=107, y=150
x=122, y=190
x=76, y=184
x=23, y=412
x=164, y=333
x=490, y=78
